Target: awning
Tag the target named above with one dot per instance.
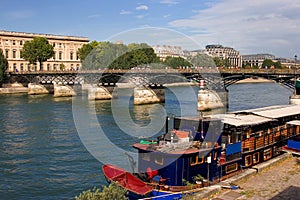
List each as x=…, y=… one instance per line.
x=242, y=120
x=294, y=122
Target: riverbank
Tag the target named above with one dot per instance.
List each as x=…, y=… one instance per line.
x=13, y=88
x=275, y=179
x=255, y=80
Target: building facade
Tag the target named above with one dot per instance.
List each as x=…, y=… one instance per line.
x=65, y=48
x=256, y=60
x=163, y=51
x=221, y=52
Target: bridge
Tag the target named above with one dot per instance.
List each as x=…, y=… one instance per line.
x=154, y=78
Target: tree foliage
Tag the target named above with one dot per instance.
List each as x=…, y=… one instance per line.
x=113, y=191
x=84, y=51
x=269, y=64
x=202, y=60
x=37, y=50
x=218, y=61
x=106, y=55
x=176, y=62
x=3, y=67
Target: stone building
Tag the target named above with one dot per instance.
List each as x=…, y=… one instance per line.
x=256, y=59
x=65, y=48
x=163, y=51
x=229, y=53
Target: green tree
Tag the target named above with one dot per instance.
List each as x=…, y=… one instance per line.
x=227, y=63
x=113, y=191
x=278, y=65
x=84, y=51
x=202, y=60
x=3, y=67
x=37, y=50
x=267, y=63
x=218, y=61
x=176, y=62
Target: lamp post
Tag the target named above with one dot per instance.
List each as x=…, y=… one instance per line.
x=295, y=74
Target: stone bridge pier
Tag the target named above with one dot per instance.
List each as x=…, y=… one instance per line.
x=148, y=95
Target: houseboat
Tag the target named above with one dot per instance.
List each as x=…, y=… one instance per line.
x=212, y=148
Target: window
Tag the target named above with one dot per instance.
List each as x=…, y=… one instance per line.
x=256, y=158
x=48, y=67
x=22, y=67
x=71, y=56
x=231, y=168
x=54, y=55
x=196, y=160
x=14, y=42
x=6, y=53
x=6, y=42
x=14, y=53
x=77, y=56
x=145, y=156
x=267, y=154
x=15, y=67
x=248, y=160
x=60, y=55
x=159, y=160
x=21, y=42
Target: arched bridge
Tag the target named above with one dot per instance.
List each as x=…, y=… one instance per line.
x=156, y=78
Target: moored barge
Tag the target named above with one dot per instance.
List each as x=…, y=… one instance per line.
x=212, y=148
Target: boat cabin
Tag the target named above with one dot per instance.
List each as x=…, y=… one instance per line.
x=218, y=146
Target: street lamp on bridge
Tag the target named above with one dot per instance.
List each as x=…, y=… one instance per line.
x=295, y=74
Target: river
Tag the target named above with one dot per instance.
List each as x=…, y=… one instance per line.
x=42, y=156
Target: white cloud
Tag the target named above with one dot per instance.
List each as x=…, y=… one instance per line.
x=169, y=2
x=253, y=26
x=125, y=12
x=141, y=16
x=94, y=16
x=142, y=7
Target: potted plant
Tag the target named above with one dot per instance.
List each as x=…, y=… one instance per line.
x=198, y=179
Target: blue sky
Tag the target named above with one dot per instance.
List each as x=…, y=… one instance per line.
x=249, y=26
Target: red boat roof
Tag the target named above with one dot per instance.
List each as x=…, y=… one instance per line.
x=125, y=179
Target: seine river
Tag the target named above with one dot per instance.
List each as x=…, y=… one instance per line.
x=43, y=157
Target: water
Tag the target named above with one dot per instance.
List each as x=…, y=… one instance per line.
x=42, y=156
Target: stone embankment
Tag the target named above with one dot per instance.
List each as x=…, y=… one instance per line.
x=13, y=88
x=276, y=179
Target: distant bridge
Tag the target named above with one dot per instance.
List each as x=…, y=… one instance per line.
x=156, y=78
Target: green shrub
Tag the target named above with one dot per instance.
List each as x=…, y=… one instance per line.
x=112, y=192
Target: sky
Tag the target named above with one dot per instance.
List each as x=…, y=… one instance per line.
x=249, y=26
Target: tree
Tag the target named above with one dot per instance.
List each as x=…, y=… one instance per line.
x=37, y=50
x=278, y=65
x=113, y=191
x=176, y=62
x=202, y=60
x=218, y=61
x=3, y=67
x=84, y=51
x=267, y=63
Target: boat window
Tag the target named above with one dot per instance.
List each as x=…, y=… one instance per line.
x=231, y=168
x=248, y=160
x=159, y=160
x=255, y=157
x=146, y=156
x=196, y=160
x=215, y=155
x=267, y=154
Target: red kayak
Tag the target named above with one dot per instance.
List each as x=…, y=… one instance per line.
x=125, y=180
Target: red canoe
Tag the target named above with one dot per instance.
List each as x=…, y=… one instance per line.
x=125, y=179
